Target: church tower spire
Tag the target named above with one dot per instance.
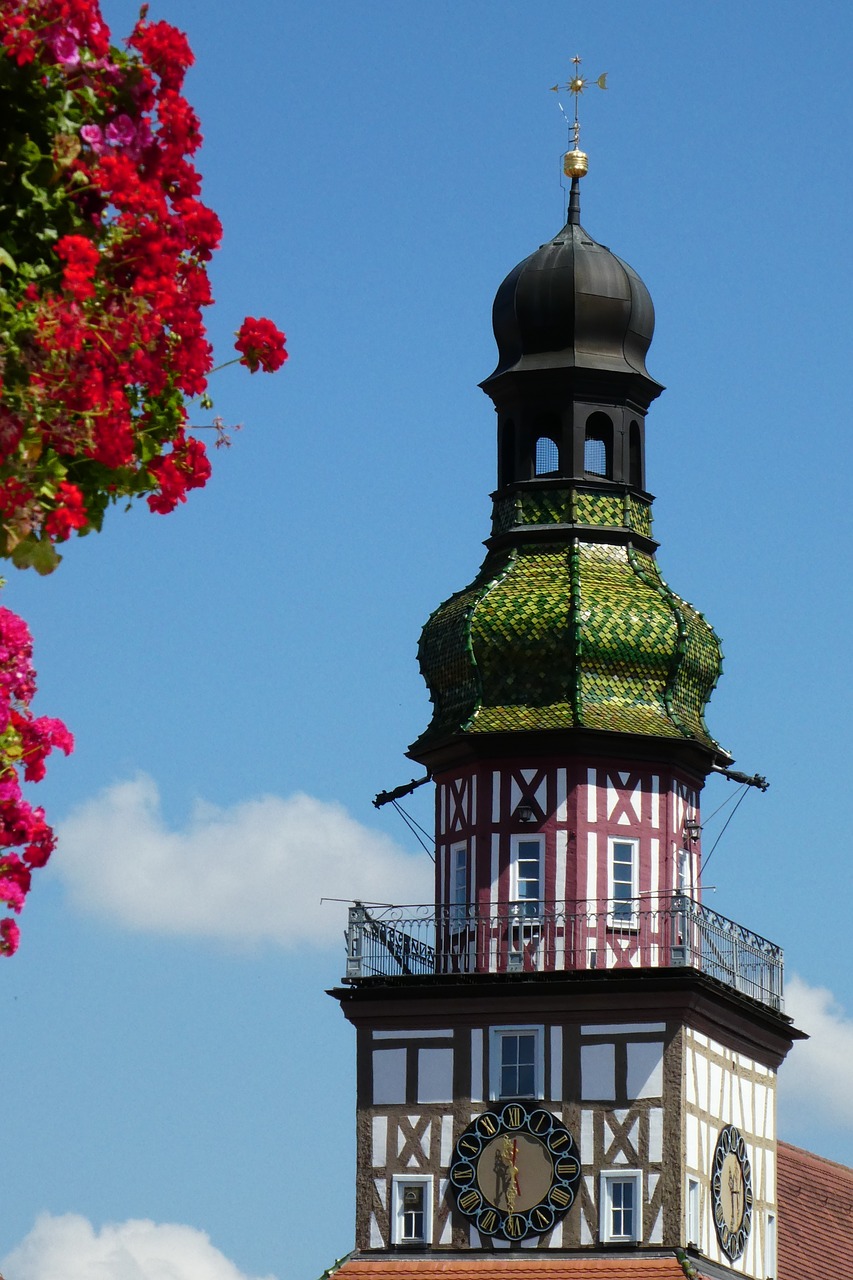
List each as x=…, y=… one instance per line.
x=567, y=1051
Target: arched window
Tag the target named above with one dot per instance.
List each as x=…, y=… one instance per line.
x=598, y=446
x=547, y=456
x=635, y=457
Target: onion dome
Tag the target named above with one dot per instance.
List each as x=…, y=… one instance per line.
x=573, y=305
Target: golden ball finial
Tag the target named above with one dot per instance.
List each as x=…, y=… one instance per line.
x=575, y=163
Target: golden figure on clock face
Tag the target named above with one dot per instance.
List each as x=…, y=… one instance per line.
x=731, y=1192
x=514, y=1172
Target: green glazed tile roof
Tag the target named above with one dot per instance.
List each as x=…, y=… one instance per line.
x=569, y=634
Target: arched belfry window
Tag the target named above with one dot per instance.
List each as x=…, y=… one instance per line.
x=635, y=457
x=598, y=446
x=547, y=456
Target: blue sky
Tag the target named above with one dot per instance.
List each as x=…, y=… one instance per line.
x=241, y=675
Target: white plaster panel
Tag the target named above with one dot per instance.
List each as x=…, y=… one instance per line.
x=514, y=795
x=557, y=1236
x=474, y=1237
x=376, y=1241
x=654, y=867
x=556, y=1062
x=446, y=1141
x=591, y=796
x=477, y=1065
x=435, y=1075
x=691, y=1135
x=442, y=809
x=472, y=798
x=413, y=1035
x=587, y=1146
x=656, y=1232
x=389, y=1076
x=645, y=1069
x=379, y=1142
x=530, y=1242
x=541, y=796
x=655, y=783
x=591, y=866
x=701, y=1065
x=447, y=1230
x=496, y=796
x=620, y=1028
x=637, y=800
x=655, y=1135
x=496, y=852
x=690, y=1077
x=562, y=796
x=598, y=1071
x=500, y=1244
x=561, y=845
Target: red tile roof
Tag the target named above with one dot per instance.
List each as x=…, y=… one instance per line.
x=504, y=1266
x=815, y=1216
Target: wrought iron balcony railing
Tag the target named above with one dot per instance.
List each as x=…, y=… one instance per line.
x=532, y=937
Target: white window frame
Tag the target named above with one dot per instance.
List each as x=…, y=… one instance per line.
x=609, y=1178
x=615, y=921
x=692, y=1221
x=516, y=842
x=399, y=1182
x=458, y=906
x=496, y=1038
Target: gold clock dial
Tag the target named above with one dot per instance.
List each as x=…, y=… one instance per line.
x=731, y=1192
x=515, y=1172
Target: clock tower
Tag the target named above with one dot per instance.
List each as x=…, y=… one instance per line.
x=567, y=1055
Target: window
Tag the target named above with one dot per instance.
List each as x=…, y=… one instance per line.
x=622, y=874
x=598, y=446
x=458, y=885
x=411, y=1217
x=621, y=1210
x=692, y=1212
x=515, y=1067
x=547, y=456
x=526, y=874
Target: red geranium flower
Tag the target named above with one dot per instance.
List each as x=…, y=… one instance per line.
x=261, y=345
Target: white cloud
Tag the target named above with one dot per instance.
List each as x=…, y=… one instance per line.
x=67, y=1247
x=253, y=872
x=815, y=1077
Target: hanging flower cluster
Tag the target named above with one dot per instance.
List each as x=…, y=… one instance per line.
x=104, y=245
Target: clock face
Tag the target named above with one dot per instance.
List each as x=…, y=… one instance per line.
x=515, y=1171
x=731, y=1192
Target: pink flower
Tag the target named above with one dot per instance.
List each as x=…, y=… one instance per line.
x=65, y=49
x=93, y=134
x=121, y=132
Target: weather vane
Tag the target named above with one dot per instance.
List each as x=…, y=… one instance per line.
x=575, y=161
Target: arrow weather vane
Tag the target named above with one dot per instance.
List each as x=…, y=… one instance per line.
x=576, y=163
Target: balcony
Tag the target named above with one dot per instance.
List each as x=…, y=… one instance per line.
x=532, y=937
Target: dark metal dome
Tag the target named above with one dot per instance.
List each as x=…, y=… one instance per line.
x=573, y=304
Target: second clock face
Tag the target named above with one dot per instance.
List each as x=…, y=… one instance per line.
x=731, y=1192
x=515, y=1171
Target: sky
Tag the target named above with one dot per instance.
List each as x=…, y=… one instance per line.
x=241, y=675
